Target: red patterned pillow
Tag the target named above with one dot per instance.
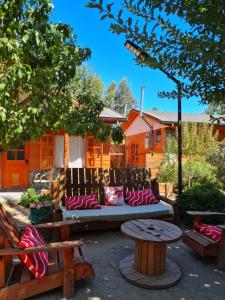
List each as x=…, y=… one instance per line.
x=143, y=197
x=114, y=195
x=37, y=263
x=82, y=202
x=212, y=231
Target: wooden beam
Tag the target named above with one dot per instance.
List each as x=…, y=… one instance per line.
x=66, y=150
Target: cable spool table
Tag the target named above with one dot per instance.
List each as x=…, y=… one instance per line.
x=149, y=267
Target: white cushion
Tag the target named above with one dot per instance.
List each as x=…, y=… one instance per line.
x=118, y=213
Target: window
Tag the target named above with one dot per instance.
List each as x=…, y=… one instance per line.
x=158, y=135
x=134, y=154
x=16, y=154
x=47, y=152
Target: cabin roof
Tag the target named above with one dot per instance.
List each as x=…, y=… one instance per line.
x=171, y=117
x=110, y=114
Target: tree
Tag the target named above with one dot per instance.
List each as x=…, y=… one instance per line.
x=216, y=109
x=110, y=94
x=198, y=144
x=38, y=60
x=124, y=99
x=193, y=52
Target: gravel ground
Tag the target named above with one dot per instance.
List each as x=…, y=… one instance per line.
x=201, y=279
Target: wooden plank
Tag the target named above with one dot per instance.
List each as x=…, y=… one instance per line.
x=2, y=262
x=82, y=182
x=95, y=181
x=69, y=190
x=89, y=185
x=75, y=183
x=68, y=273
x=66, y=150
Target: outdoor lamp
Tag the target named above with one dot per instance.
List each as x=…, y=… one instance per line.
x=137, y=51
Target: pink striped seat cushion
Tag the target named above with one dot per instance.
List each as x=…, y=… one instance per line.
x=82, y=202
x=143, y=197
x=114, y=195
x=37, y=262
x=212, y=231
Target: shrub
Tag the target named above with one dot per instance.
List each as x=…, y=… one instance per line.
x=30, y=196
x=206, y=197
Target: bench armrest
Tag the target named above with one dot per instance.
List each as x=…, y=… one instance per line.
x=167, y=200
x=47, y=247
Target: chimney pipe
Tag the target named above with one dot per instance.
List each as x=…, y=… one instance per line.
x=142, y=100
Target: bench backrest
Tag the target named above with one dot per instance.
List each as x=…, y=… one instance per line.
x=84, y=181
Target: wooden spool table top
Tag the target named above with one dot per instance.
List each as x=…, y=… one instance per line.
x=153, y=231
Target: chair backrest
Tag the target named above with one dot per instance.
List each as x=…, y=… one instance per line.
x=8, y=228
x=84, y=181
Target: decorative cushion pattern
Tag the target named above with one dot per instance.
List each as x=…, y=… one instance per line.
x=143, y=197
x=114, y=195
x=212, y=231
x=37, y=262
x=82, y=202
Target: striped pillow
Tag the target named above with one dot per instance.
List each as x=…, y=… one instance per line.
x=143, y=197
x=212, y=231
x=37, y=262
x=82, y=202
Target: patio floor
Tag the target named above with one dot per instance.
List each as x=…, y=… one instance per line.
x=201, y=279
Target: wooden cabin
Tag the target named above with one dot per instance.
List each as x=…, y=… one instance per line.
x=19, y=167
x=146, y=135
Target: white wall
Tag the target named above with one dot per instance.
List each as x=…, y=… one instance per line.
x=137, y=126
x=77, y=152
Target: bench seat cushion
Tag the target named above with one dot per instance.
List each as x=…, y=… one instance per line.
x=118, y=213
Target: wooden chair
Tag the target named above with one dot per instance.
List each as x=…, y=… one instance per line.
x=202, y=244
x=67, y=262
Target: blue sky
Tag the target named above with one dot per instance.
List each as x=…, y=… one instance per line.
x=112, y=61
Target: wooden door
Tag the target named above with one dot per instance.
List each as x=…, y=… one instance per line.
x=16, y=168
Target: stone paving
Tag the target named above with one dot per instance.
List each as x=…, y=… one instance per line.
x=201, y=279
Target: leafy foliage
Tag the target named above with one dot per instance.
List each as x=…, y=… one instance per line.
x=109, y=96
x=198, y=144
x=193, y=51
x=30, y=196
x=38, y=60
x=202, y=198
x=120, y=98
x=217, y=159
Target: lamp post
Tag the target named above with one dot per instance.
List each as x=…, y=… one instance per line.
x=136, y=50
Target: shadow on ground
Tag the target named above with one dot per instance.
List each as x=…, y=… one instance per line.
x=201, y=279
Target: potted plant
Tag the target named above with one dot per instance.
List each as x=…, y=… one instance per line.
x=39, y=205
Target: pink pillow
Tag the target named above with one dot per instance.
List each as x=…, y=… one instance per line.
x=212, y=231
x=143, y=197
x=82, y=202
x=37, y=262
x=114, y=195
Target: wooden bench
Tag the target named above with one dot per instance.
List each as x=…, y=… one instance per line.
x=83, y=181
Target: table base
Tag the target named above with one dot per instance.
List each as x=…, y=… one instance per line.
x=167, y=279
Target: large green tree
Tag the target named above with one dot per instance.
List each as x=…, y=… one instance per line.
x=124, y=99
x=110, y=94
x=38, y=60
x=119, y=97
x=186, y=38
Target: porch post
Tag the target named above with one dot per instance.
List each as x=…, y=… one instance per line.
x=66, y=150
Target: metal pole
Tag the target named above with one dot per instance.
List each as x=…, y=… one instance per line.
x=179, y=95
x=142, y=99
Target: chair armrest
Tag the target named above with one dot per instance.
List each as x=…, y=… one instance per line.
x=167, y=200
x=204, y=213
x=54, y=225
x=51, y=246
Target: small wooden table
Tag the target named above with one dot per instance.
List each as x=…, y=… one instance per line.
x=149, y=267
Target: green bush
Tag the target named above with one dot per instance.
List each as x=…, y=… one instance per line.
x=30, y=196
x=205, y=197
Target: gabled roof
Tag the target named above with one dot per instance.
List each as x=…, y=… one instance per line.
x=171, y=117
x=109, y=114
